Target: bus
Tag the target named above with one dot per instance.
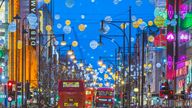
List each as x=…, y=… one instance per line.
x=104, y=98
x=71, y=94
x=89, y=98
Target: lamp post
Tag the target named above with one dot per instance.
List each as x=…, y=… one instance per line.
x=17, y=17
x=23, y=61
x=52, y=37
x=41, y=50
x=124, y=37
x=144, y=30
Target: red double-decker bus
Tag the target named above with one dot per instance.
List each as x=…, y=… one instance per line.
x=71, y=94
x=89, y=98
x=104, y=98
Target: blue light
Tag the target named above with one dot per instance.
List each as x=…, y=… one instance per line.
x=164, y=60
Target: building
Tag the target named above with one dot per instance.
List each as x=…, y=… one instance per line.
x=3, y=50
x=179, y=49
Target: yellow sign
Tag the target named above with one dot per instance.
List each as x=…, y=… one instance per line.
x=19, y=44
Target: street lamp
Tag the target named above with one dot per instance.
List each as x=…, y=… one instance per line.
x=72, y=57
x=17, y=17
x=142, y=60
x=124, y=45
x=70, y=52
x=63, y=42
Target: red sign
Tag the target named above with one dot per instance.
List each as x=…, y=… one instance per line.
x=181, y=83
x=181, y=72
x=160, y=40
x=1, y=69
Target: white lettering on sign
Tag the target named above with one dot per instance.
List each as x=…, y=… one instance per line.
x=33, y=32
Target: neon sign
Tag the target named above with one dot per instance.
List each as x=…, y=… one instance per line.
x=170, y=37
x=170, y=11
x=181, y=72
x=183, y=37
x=183, y=10
x=181, y=83
x=170, y=62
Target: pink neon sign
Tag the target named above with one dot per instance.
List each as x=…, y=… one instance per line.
x=170, y=37
x=170, y=71
x=183, y=37
x=170, y=11
x=183, y=10
x=169, y=62
x=181, y=83
x=181, y=72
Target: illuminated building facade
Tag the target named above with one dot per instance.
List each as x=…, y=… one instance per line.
x=23, y=58
x=179, y=51
x=3, y=49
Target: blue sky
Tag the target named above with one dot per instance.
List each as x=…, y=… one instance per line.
x=90, y=13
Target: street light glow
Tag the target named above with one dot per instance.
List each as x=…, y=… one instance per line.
x=72, y=57
x=81, y=64
x=63, y=43
x=100, y=62
x=70, y=52
x=74, y=61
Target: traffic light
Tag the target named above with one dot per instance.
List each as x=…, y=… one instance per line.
x=170, y=96
x=11, y=92
x=165, y=91
x=10, y=86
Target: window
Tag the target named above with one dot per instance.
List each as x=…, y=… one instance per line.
x=88, y=92
x=71, y=84
x=104, y=93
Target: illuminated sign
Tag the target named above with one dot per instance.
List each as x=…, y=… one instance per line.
x=71, y=84
x=170, y=11
x=170, y=37
x=183, y=10
x=170, y=62
x=170, y=71
x=183, y=37
x=189, y=75
x=181, y=83
x=181, y=72
x=33, y=32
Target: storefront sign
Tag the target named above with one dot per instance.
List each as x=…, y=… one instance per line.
x=181, y=83
x=33, y=32
x=183, y=10
x=181, y=72
x=189, y=75
x=170, y=11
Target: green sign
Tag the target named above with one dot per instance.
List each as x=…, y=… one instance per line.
x=187, y=22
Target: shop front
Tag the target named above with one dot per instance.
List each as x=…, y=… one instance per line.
x=189, y=83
